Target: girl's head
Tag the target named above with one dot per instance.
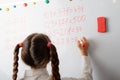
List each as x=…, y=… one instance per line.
x=37, y=51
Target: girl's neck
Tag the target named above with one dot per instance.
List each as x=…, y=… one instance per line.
x=40, y=67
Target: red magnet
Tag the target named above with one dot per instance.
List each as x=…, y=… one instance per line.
x=25, y=4
x=101, y=24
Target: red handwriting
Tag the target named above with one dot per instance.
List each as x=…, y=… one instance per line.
x=68, y=20
x=64, y=11
x=65, y=40
x=57, y=23
x=14, y=20
x=64, y=31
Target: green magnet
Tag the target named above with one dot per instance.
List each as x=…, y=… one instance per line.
x=47, y=1
x=0, y=9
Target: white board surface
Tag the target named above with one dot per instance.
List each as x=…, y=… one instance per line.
x=64, y=21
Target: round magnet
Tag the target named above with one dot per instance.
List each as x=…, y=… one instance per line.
x=34, y=3
x=47, y=1
x=25, y=4
x=7, y=9
x=14, y=6
x=0, y=9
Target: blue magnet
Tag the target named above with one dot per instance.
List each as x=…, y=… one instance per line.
x=14, y=6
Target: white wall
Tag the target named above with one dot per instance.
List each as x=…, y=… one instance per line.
x=64, y=21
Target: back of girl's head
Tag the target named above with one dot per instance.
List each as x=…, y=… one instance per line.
x=37, y=51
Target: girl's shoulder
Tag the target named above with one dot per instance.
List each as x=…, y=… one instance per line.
x=69, y=78
x=21, y=79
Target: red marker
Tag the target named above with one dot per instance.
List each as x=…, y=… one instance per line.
x=82, y=44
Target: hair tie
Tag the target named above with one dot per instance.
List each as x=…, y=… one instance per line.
x=20, y=45
x=48, y=44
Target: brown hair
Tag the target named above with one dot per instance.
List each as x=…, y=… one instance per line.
x=36, y=54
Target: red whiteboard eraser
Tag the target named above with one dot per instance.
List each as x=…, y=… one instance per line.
x=101, y=24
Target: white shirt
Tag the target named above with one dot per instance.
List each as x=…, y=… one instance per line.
x=42, y=74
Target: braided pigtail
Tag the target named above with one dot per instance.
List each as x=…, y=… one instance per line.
x=15, y=64
x=54, y=63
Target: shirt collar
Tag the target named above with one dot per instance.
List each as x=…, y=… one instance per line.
x=33, y=72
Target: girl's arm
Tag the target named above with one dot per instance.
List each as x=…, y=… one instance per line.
x=86, y=70
x=86, y=73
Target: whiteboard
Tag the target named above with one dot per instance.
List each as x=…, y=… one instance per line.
x=64, y=21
